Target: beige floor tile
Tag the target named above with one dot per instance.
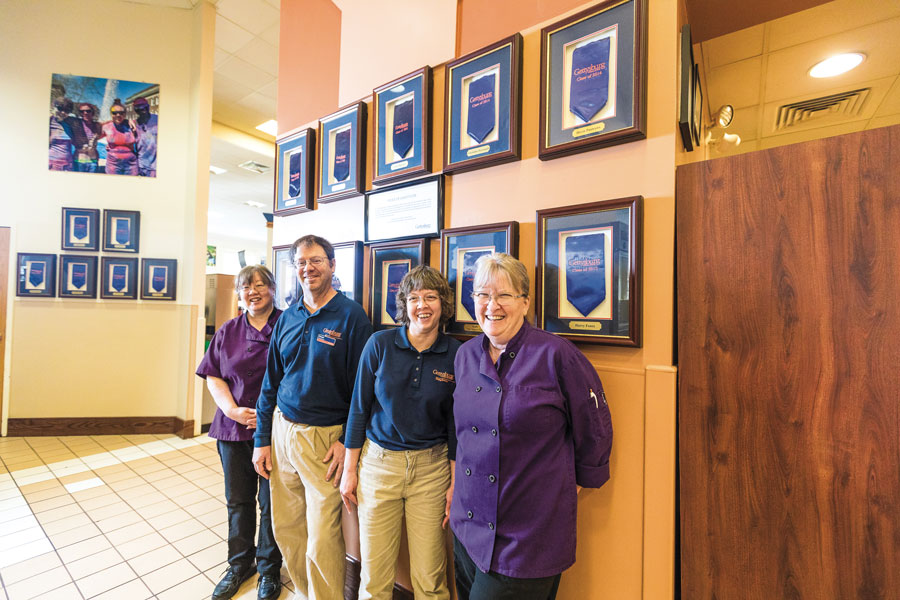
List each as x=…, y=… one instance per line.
x=136, y=491
x=139, y=546
x=195, y=588
x=40, y=486
x=66, y=592
x=179, y=491
x=111, y=477
x=24, y=552
x=91, y=564
x=84, y=548
x=215, y=573
x=76, y=477
x=169, y=576
x=110, y=510
x=92, y=492
x=10, y=492
x=35, y=587
x=122, y=483
x=131, y=532
x=145, y=499
x=9, y=541
x=182, y=530
x=66, y=524
x=209, y=557
x=191, y=497
x=104, y=580
x=73, y=536
x=119, y=521
x=175, y=458
x=105, y=472
x=14, y=513
x=168, y=519
x=207, y=481
x=220, y=530
x=155, y=559
x=36, y=477
x=55, y=514
x=165, y=477
x=24, y=464
x=49, y=503
x=157, y=508
x=101, y=500
x=133, y=590
x=13, y=502
x=203, y=507
x=198, y=541
x=30, y=568
x=215, y=517
x=20, y=524
x=45, y=494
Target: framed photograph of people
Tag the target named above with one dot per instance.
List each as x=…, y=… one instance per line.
x=81, y=229
x=483, y=92
x=461, y=247
x=405, y=211
x=588, y=277
x=36, y=275
x=294, y=172
x=118, y=278
x=287, y=286
x=348, y=270
x=342, y=153
x=593, y=79
x=388, y=263
x=121, y=231
x=77, y=276
x=402, y=127
x=158, y=278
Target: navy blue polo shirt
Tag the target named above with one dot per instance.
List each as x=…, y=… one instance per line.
x=403, y=398
x=311, y=366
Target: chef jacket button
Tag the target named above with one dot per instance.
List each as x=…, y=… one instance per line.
x=491, y=478
x=419, y=357
x=468, y=471
x=512, y=354
x=249, y=348
x=478, y=388
x=249, y=373
x=474, y=429
x=417, y=368
x=491, y=525
x=494, y=432
x=498, y=389
x=469, y=514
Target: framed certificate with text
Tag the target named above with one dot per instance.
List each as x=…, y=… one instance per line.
x=404, y=211
x=81, y=229
x=348, y=270
x=588, y=277
x=593, y=79
x=287, y=286
x=342, y=153
x=483, y=91
x=158, y=278
x=402, y=119
x=77, y=276
x=118, y=278
x=388, y=263
x=461, y=248
x=294, y=173
x=121, y=231
x=36, y=275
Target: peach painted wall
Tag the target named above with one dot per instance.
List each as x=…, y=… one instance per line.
x=483, y=22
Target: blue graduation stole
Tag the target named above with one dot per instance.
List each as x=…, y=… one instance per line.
x=123, y=231
x=36, y=274
x=119, y=273
x=481, y=108
x=589, y=87
x=80, y=227
x=585, y=271
x=394, y=277
x=403, y=128
x=467, y=279
x=342, y=155
x=79, y=275
x=158, y=281
x=294, y=174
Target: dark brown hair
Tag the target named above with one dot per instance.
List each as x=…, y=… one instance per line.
x=425, y=278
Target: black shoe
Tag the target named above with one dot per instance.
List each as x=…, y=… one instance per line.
x=269, y=586
x=231, y=581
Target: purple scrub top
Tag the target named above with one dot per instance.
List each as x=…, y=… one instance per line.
x=237, y=354
x=528, y=430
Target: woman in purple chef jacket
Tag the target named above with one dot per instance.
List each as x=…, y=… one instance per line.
x=233, y=367
x=532, y=425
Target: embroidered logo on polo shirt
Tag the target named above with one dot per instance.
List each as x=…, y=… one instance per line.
x=442, y=376
x=325, y=339
x=332, y=333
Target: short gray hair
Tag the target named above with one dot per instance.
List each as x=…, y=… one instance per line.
x=492, y=265
x=245, y=276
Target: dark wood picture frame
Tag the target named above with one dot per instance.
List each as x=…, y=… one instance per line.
x=353, y=115
x=382, y=255
x=352, y=284
x=616, y=319
x=25, y=286
x=403, y=168
x=67, y=289
x=561, y=133
x=479, y=238
x=287, y=285
x=509, y=101
x=686, y=88
x=696, y=107
x=107, y=290
x=304, y=142
x=111, y=240
x=68, y=241
x=147, y=280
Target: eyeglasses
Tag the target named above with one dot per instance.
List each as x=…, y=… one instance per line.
x=117, y=112
x=427, y=299
x=256, y=286
x=501, y=299
x=316, y=261
x=87, y=111
x=140, y=108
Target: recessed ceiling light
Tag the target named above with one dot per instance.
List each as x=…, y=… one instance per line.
x=216, y=170
x=837, y=64
x=254, y=204
x=270, y=127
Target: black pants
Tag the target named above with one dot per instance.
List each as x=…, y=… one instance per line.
x=473, y=584
x=241, y=485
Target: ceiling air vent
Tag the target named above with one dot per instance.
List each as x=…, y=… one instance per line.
x=252, y=165
x=845, y=104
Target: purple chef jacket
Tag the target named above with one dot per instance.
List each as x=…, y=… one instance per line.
x=529, y=429
x=237, y=354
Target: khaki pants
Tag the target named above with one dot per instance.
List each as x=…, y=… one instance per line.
x=306, y=509
x=393, y=484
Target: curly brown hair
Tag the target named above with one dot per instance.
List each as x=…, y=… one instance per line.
x=425, y=278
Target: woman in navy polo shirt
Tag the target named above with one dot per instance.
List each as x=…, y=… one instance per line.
x=233, y=367
x=400, y=432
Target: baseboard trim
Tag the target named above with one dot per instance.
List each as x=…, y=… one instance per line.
x=184, y=429
x=353, y=577
x=56, y=426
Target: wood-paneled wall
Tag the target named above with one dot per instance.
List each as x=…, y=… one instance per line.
x=789, y=394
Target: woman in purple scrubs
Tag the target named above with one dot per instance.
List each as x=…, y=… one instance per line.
x=532, y=425
x=233, y=367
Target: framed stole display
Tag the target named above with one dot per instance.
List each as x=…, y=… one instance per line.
x=461, y=248
x=483, y=93
x=348, y=270
x=402, y=115
x=388, y=263
x=80, y=229
x=294, y=172
x=118, y=278
x=121, y=231
x=588, y=278
x=342, y=153
x=287, y=286
x=158, y=278
x=77, y=276
x=593, y=79
x=36, y=275
x=406, y=210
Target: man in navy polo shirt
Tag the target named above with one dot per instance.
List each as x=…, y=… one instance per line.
x=301, y=413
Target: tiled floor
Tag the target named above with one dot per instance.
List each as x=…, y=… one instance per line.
x=125, y=517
